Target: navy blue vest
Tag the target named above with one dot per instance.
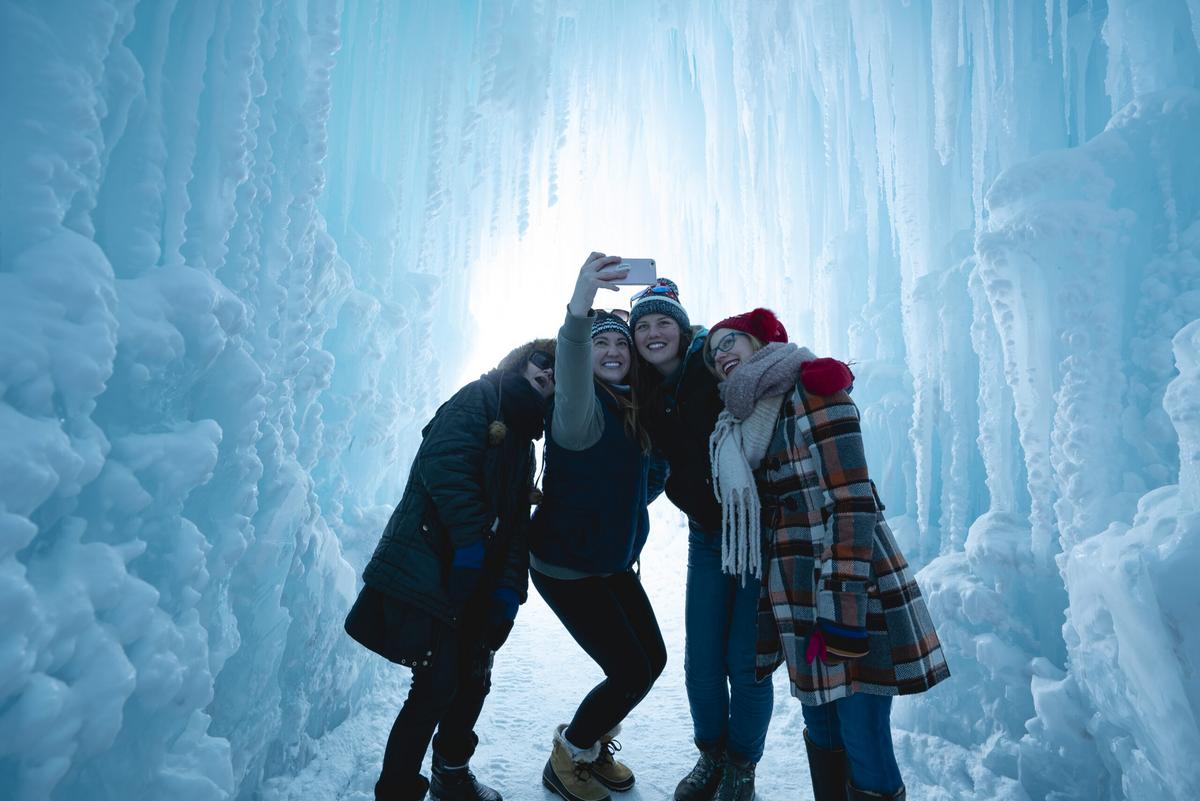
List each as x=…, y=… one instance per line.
x=592, y=517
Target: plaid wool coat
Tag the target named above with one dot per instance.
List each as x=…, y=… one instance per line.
x=830, y=555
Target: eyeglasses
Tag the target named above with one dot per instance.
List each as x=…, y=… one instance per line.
x=541, y=360
x=724, y=346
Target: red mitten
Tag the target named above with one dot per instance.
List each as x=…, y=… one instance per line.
x=825, y=376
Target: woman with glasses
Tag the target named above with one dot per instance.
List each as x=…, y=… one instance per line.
x=442, y=588
x=588, y=532
x=846, y=614
x=730, y=704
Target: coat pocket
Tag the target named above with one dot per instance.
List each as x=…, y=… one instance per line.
x=397, y=631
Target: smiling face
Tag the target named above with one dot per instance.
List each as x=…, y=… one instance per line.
x=729, y=349
x=657, y=340
x=540, y=374
x=610, y=357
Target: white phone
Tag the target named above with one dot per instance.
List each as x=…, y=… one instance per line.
x=641, y=271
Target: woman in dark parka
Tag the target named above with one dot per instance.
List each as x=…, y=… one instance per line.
x=442, y=588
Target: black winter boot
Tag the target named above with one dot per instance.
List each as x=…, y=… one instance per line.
x=458, y=783
x=855, y=794
x=737, y=783
x=827, y=767
x=701, y=783
x=411, y=790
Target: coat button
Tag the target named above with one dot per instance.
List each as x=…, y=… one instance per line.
x=424, y=527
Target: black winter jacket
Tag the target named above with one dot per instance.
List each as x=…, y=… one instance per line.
x=460, y=490
x=680, y=417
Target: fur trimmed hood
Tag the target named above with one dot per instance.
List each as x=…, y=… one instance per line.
x=516, y=358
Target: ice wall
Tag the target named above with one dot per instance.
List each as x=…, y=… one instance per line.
x=246, y=246
x=180, y=466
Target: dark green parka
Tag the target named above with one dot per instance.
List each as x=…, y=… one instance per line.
x=463, y=488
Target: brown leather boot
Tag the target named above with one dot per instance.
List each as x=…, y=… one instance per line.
x=610, y=772
x=568, y=771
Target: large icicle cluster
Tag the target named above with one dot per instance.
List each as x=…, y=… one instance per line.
x=179, y=464
x=245, y=246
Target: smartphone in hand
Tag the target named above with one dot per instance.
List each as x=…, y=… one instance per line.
x=641, y=271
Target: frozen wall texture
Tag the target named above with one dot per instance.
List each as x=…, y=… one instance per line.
x=246, y=247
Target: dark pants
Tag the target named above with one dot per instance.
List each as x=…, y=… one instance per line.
x=447, y=695
x=611, y=619
x=862, y=724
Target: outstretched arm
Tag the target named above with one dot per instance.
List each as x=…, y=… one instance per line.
x=578, y=421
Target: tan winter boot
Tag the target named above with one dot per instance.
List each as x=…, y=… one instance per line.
x=607, y=769
x=568, y=771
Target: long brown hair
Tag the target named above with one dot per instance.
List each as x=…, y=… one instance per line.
x=627, y=409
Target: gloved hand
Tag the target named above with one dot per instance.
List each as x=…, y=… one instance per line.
x=465, y=570
x=501, y=612
x=833, y=644
x=826, y=376
x=816, y=647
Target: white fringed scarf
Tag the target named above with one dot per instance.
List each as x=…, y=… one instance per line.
x=737, y=446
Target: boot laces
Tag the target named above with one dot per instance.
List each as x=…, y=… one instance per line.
x=610, y=749
x=738, y=776
x=583, y=771
x=703, y=770
x=463, y=775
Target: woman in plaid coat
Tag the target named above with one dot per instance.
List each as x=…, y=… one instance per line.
x=839, y=603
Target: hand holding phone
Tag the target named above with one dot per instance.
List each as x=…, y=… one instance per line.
x=598, y=271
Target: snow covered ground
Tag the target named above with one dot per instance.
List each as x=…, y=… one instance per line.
x=531, y=693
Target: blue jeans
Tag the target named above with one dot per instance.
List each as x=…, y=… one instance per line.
x=728, y=706
x=861, y=724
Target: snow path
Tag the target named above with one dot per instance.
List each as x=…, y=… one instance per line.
x=541, y=674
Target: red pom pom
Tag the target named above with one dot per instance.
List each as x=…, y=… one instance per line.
x=825, y=376
x=766, y=326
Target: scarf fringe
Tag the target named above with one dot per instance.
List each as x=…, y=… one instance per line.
x=741, y=551
x=741, y=509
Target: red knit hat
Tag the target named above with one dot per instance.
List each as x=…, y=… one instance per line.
x=819, y=376
x=762, y=324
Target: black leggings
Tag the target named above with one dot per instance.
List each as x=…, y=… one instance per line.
x=611, y=619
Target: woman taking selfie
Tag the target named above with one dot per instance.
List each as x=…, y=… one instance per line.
x=846, y=614
x=444, y=583
x=588, y=532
